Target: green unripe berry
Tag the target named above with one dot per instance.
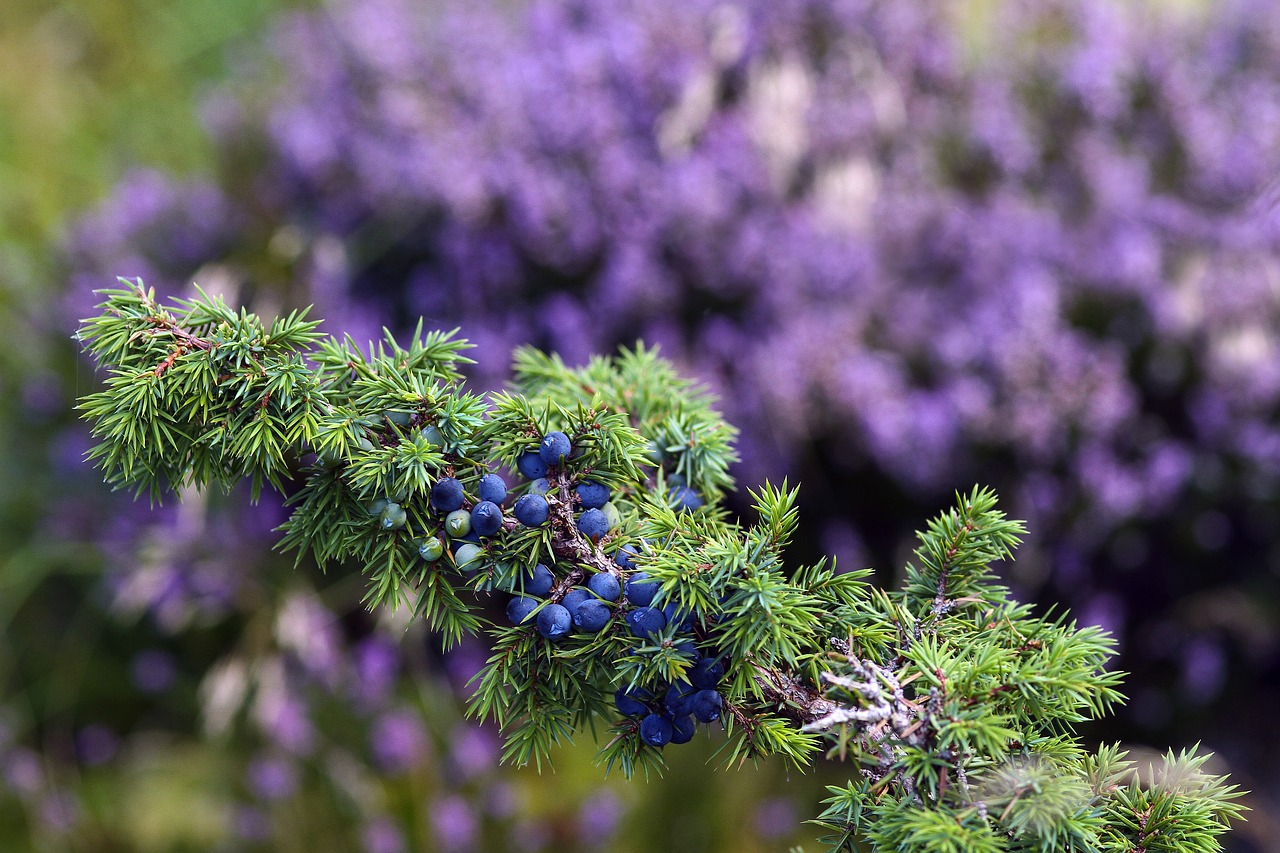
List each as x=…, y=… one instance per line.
x=458, y=523
x=376, y=506
x=393, y=517
x=400, y=419
x=612, y=515
x=467, y=557
x=365, y=445
x=432, y=435
x=431, y=548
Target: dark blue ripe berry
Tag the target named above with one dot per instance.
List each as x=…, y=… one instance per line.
x=594, y=524
x=685, y=499
x=531, y=465
x=645, y=621
x=655, y=730
x=554, y=622
x=486, y=518
x=539, y=581
x=624, y=555
x=641, y=590
x=519, y=608
x=592, y=615
x=632, y=703
x=675, y=615
x=679, y=698
x=592, y=494
x=706, y=706
x=492, y=488
x=555, y=447
x=682, y=729
x=531, y=510
x=706, y=673
x=605, y=585
x=446, y=494
x=574, y=597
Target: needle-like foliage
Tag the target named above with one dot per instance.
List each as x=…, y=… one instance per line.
x=955, y=703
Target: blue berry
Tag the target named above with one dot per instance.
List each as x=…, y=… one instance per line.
x=519, y=608
x=592, y=494
x=554, y=622
x=467, y=557
x=706, y=673
x=458, y=523
x=393, y=517
x=531, y=510
x=531, y=466
x=555, y=447
x=446, y=494
x=540, y=486
x=682, y=729
x=605, y=585
x=632, y=703
x=679, y=698
x=641, y=590
x=539, y=581
x=675, y=615
x=685, y=499
x=706, y=706
x=655, y=730
x=593, y=524
x=645, y=621
x=574, y=597
x=624, y=555
x=592, y=615
x=492, y=488
x=486, y=518
x=431, y=549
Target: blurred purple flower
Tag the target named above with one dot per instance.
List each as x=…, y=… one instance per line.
x=398, y=740
x=271, y=778
x=454, y=823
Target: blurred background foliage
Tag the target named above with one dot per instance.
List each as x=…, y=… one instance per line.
x=913, y=245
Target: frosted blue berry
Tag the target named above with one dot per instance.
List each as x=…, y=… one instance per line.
x=641, y=590
x=531, y=466
x=679, y=698
x=393, y=517
x=458, y=523
x=486, y=518
x=645, y=621
x=593, y=524
x=682, y=729
x=431, y=549
x=519, y=608
x=574, y=597
x=624, y=555
x=706, y=706
x=592, y=615
x=539, y=581
x=655, y=730
x=492, y=488
x=605, y=585
x=677, y=616
x=531, y=510
x=592, y=494
x=685, y=499
x=555, y=447
x=706, y=673
x=633, y=703
x=446, y=494
x=467, y=557
x=554, y=622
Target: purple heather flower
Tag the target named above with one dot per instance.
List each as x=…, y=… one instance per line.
x=454, y=823
x=398, y=740
x=271, y=778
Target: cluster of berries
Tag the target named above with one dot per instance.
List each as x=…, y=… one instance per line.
x=672, y=714
x=597, y=515
x=588, y=609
